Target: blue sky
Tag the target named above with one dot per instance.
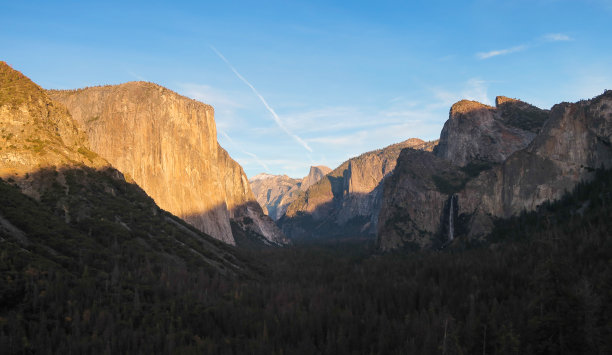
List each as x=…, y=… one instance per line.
x=300, y=83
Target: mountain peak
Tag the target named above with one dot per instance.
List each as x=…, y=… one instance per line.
x=261, y=176
x=315, y=174
x=488, y=134
x=467, y=106
x=37, y=131
x=319, y=167
x=519, y=114
x=155, y=135
x=16, y=88
x=500, y=100
x=139, y=90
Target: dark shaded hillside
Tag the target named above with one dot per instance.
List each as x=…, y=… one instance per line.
x=96, y=266
x=88, y=262
x=541, y=284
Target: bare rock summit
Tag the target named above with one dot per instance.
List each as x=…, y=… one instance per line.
x=493, y=163
x=346, y=201
x=276, y=192
x=477, y=133
x=167, y=144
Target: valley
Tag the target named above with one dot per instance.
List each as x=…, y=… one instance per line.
x=125, y=227
x=539, y=283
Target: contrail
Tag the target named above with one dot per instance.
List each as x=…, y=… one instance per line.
x=245, y=152
x=261, y=98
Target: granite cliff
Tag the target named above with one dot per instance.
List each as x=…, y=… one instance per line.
x=479, y=133
x=574, y=141
x=167, y=144
x=345, y=202
x=493, y=163
x=415, y=201
x=66, y=209
x=315, y=174
x=275, y=192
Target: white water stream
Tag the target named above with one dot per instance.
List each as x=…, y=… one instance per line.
x=450, y=219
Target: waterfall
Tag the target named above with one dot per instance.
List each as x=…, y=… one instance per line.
x=451, y=211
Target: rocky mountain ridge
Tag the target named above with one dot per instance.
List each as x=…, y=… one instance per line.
x=493, y=163
x=167, y=144
x=262, y=176
x=574, y=141
x=315, y=174
x=37, y=132
x=275, y=192
x=476, y=132
x=64, y=209
x=347, y=200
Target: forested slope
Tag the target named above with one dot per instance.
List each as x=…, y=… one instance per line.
x=540, y=284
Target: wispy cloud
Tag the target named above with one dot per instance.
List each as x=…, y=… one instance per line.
x=277, y=119
x=330, y=119
x=343, y=132
x=556, y=37
x=342, y=140
x=362, y=141
x=239, y=147
x=550, y=37
x=495, y=53
x=364, y=129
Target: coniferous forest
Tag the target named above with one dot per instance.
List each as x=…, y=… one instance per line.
x=540, y=284
x=306, y=177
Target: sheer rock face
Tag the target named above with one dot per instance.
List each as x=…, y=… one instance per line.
x=479, y=133
x=315, y=174
x=168, y=144
x=346, y=202
x=275, y=192
x=414, y=206
x=83, y=203
x=568, y=145
x=575, y=140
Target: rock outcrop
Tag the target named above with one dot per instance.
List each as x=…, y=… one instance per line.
x=479, y=133
x=65, y=207
x=275, y=192
x=485, y=178
x=576, y=140
x=415, y=201
x=346, y=202
x=36, y=132
x=315, y=174
x=167, y=144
